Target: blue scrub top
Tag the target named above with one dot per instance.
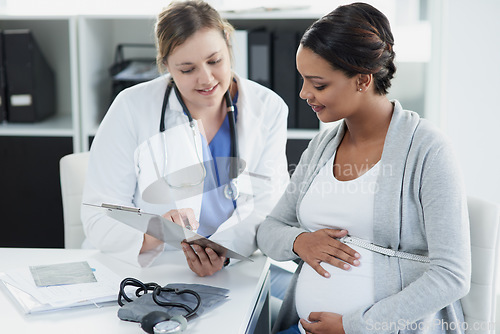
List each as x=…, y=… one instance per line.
x=215, y=207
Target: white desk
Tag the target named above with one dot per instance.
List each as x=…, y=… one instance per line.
x=248, y=298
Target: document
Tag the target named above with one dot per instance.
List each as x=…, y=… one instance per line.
x=23, y=287
x=63, y=274
x=164, y=229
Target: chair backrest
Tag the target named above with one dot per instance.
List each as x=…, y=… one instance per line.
x=73, y=168
x=479, y=305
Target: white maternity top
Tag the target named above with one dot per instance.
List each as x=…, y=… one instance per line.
x=330, y=203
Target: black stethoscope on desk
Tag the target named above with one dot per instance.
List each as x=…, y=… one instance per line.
x=158, y=322
x=231, y=190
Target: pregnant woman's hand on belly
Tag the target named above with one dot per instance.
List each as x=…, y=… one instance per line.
x=323, y=246
x=323, y=323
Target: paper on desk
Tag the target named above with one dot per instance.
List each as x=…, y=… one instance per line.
x=62, y=273
x=60, y=296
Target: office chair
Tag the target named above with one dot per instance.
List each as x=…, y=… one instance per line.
x=479, y=305
x=73, y=168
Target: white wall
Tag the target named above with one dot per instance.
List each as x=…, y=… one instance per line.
x=471, y=91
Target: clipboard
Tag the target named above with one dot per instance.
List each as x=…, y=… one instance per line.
x=164, y=229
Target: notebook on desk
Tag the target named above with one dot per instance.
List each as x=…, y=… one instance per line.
x=164, y=229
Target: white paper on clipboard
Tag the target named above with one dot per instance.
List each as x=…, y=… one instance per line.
x=164, y=229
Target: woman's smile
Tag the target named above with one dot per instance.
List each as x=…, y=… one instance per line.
x=315, y=107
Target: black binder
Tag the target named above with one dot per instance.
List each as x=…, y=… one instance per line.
x=294, y=150
x=3, y=84
x=30, y=80
x=306, y=117
x=260, y=57
x=284, y=72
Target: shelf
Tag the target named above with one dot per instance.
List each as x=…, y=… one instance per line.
x=98, y=36
x=79, y=43
x=56, y=37
x=302, y=133
x=57, y=126
x=297, y=14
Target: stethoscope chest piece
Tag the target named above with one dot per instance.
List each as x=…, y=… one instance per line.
x=231, y=190
x=158, y=322
x=176, y=324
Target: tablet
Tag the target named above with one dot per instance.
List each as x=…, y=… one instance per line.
x=164, y=229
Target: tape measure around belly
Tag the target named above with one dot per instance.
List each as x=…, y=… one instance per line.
x=382, y=250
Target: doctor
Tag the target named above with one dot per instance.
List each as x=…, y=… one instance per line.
x=174, y=146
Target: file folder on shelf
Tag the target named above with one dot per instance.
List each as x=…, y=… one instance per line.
x=240, y=50
x=260, y=57
x=30, y=79
x=284, y=72
x=3, y=101
x=306, y=118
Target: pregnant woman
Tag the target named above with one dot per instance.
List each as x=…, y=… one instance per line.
x=376, y=210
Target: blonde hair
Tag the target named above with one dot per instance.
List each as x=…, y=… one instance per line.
x=182, y=19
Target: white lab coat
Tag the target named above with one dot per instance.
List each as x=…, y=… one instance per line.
x=121, y=168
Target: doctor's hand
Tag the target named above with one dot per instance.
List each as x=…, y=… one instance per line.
x=323, y=246
x=323, y=323
x=183, y=217
x=202, y=261
x=149, y=243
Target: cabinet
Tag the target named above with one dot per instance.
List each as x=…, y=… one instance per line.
x=31, y=197
x=30, y=200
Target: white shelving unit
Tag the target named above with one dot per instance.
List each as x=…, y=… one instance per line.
x=98, y=36
x=57, y=39
x=60, y=125
x=81, y=48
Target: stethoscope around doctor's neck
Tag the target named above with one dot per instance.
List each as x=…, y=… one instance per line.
x=231, y=190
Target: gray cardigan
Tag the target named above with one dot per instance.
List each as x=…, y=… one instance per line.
x=420, y=208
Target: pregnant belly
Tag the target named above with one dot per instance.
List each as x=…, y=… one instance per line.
x=343, y=292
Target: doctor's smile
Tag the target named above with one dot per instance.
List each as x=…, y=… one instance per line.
x=208, y=91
